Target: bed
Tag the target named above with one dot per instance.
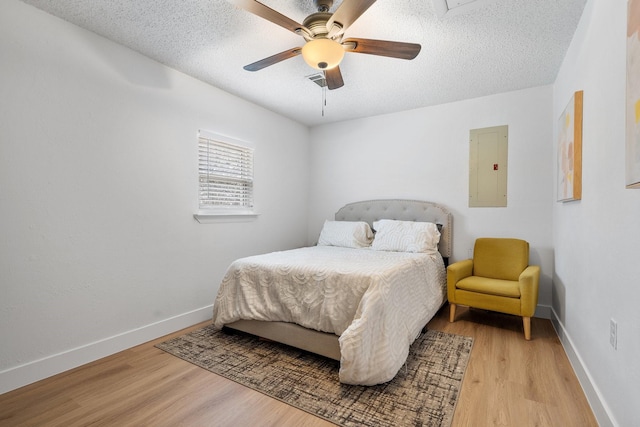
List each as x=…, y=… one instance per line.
x=361, y=304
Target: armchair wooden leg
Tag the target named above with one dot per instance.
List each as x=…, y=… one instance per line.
x=452, y=312
x=526, y=322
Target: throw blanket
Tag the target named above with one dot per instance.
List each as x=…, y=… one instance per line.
x=376, y=301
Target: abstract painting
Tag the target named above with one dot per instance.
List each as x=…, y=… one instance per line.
x=633, y=95
x=570, y=150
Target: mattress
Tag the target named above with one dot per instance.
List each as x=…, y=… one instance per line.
x=377, y=302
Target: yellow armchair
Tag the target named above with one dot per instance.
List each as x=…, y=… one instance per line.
x=498, y=278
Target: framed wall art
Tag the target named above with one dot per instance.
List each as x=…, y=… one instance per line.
x=570, y=150
x=633, y=95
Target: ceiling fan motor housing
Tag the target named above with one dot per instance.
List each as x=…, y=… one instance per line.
x=316, y=23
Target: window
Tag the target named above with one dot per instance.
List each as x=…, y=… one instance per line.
x=225, y=175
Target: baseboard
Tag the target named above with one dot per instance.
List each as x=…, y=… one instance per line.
x=37, y=370
x=596, y=401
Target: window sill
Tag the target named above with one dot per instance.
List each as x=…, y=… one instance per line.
x=213, y=217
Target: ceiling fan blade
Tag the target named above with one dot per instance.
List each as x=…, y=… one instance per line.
x=333, y=78
x=347, y=13
x=382, y=48
x=267, y=13
x=274, y=59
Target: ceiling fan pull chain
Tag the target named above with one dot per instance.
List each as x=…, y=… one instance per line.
x=324, y=98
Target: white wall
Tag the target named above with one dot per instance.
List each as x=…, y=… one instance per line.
x=98, y=185
x=597, y=239
x=424, y=154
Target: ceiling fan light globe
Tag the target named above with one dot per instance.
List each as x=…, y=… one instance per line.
x=323, y=54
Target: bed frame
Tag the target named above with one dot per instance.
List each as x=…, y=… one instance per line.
x=326, y=344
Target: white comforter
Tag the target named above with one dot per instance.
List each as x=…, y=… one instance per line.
x=377, y=302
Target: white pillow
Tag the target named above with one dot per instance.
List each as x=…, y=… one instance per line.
x=405, y=236
x=347, y=234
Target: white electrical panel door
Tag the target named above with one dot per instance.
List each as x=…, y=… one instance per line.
x=488, y=167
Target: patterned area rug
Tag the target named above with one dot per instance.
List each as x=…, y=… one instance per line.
x=423, y=393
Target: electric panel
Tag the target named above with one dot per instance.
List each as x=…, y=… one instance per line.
x=488, y=167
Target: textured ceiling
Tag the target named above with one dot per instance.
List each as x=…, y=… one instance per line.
x=496, y=46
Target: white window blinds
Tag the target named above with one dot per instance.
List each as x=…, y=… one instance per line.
x=225, y=174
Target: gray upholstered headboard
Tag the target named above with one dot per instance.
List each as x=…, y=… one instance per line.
x=404, y=210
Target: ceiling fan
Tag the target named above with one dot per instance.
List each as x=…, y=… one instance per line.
x=323, y=32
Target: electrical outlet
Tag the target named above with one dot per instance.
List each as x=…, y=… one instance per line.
x=613, y=333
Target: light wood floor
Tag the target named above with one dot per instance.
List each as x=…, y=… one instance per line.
x=509, y=382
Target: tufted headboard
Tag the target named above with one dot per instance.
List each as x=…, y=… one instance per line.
x=404, y=210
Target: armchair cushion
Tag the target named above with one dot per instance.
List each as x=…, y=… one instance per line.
x=500, y=258
x=484, y=285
